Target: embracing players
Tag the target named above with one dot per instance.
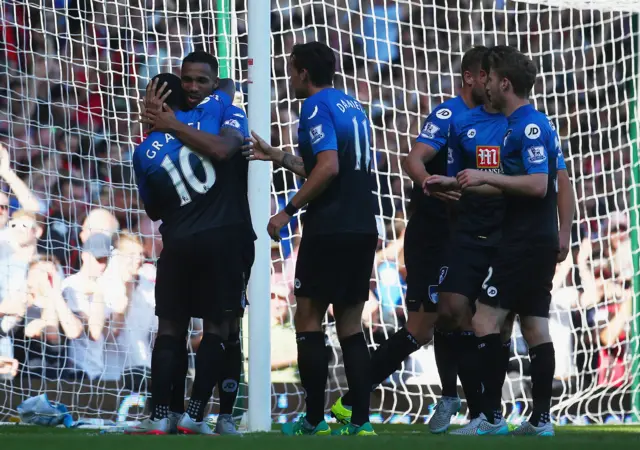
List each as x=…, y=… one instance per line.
x=340, y=236
x=195, y=182
x=521, y=270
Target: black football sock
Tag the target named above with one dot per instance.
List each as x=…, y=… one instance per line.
x=179, y=379
x=166, y=351
x=543, y=366
x=357, y=365
x=230, y=375
x=490, y=356
x=506, y=357
x=446, y=353
x=209, y=358
x=387, y=358
x=313, y=365
x=468, y=371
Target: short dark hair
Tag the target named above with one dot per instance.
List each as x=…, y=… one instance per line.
x=175, y=99
x=318, y=59
x=500, y=49
x=203, y=58
x=515, y=67
x=472, y=59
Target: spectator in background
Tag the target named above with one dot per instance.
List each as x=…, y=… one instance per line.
x=24, y=197
x=85, y=299
x=17, y=250
x=131, y=321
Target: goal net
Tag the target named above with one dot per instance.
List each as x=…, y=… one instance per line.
x=71, y=75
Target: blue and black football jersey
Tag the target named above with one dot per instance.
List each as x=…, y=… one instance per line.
x=331, y=120
x=475, y=138
x=187, y=191
x=435, y=133
x=531, y=146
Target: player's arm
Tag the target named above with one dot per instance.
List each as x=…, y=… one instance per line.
x=324, y=144
x=217, y=148
x=257, y=149
x=414, y=164
x=566, y=199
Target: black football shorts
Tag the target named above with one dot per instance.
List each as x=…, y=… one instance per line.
x=425, y=250
x=335, y=268
x=520, y=280
x=204, y=275
x=467, y=267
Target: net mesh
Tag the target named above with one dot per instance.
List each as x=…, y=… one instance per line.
x=71, y=75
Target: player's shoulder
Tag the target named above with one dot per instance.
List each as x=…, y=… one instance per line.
x=236, y=118
x=466, y=118
x=448, y=109
x=331, y=101
x=217, y=101
x=532, y=124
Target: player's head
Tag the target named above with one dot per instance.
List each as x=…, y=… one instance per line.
x=473, y=76
x=511, y=74
x=176, y=98
x=311, y=65
x=199, y=76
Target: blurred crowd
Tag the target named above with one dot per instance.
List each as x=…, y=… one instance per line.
x=77, y=253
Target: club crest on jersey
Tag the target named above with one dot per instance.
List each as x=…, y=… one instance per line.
x=506, y=136
x=487, y=157
x=443, y=274
x=429, y=131
x=471, y=133
x=316, y=134
x=536, y=154
x=444, y=113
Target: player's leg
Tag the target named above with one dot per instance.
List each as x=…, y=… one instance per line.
x=505, y=335
x=455, y=348
x=357, y=364
x=423, y=265
x=487, y=322
x=208, y=365
x=389, y=355
x=173, y=321
x=229, y=380
x=313, y=288
x=230, y=376
x=176, y=405
x=460, y=281
x=355, y=275
x=217, y=291
x=534, y=321
x=535, y=331
x=313, y=366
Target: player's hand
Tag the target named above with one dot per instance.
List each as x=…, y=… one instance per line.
x=164, y=120
x=276, y=223
x=155, y=96
x=449, y=196
x=438, y=183
x=564, y=238
x=470, y=178
x=256, y=149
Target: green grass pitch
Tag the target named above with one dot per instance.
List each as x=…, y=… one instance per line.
x=390, y=437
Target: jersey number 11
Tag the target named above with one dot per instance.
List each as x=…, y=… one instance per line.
x=367, y=150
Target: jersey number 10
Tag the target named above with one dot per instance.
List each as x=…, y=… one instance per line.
x=186, y=173
x=367, y=150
